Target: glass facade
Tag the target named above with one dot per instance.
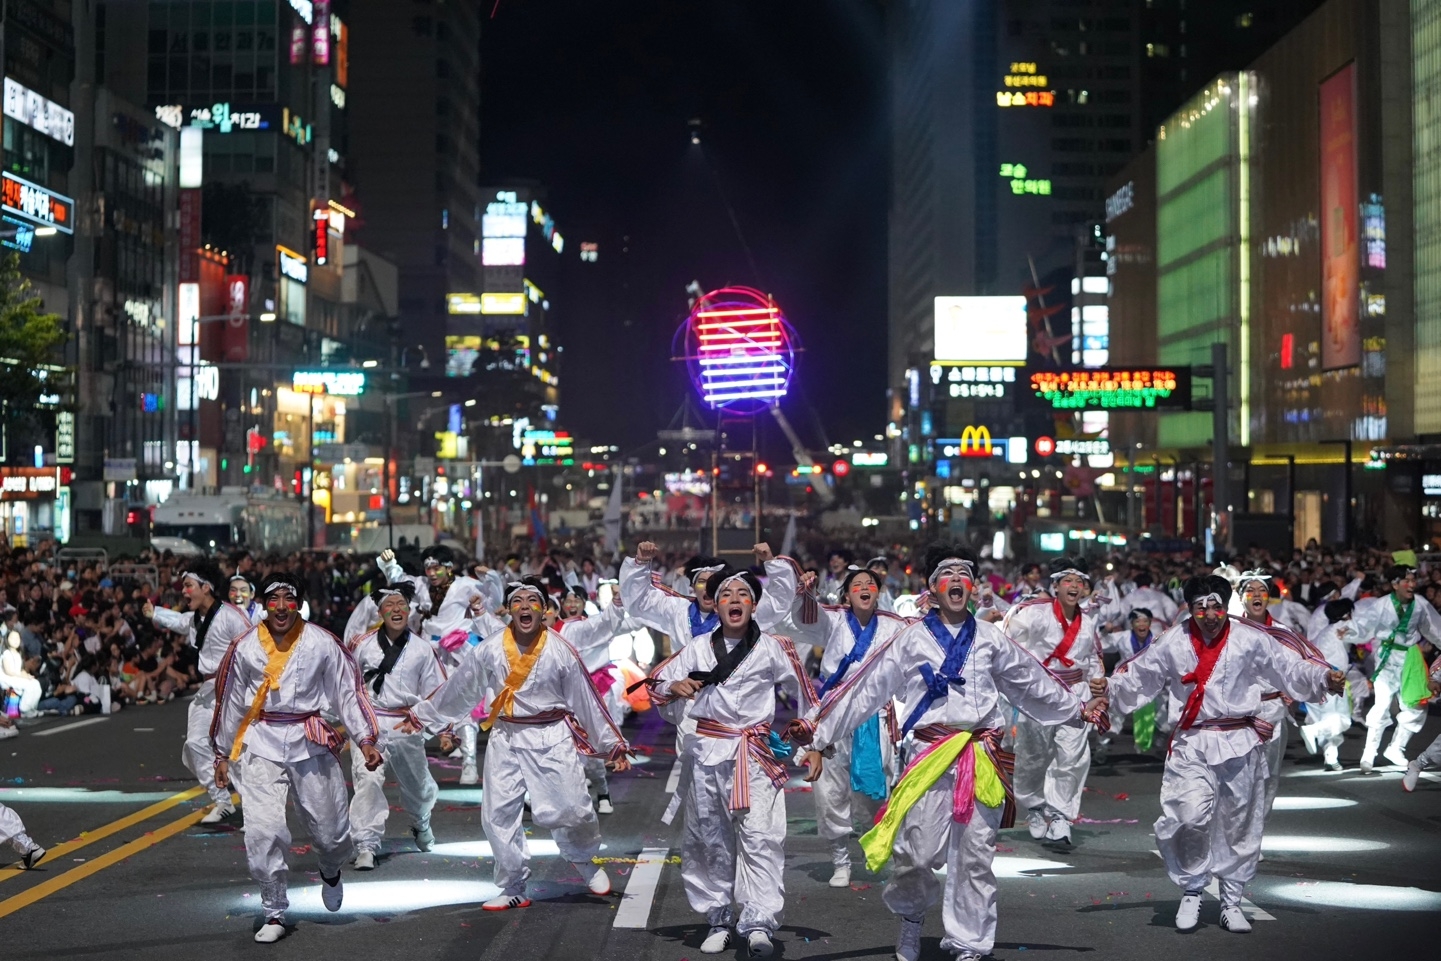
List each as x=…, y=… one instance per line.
x=1202, y=264
x=1426, y=113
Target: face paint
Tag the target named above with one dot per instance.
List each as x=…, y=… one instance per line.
x=281, y=602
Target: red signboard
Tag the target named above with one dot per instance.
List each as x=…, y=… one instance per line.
x=189, y=236
x=1045, y=446
x=236, y=343
x=321, y=224
x=1340, y=250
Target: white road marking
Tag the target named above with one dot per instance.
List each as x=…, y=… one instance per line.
x=69, y=727
x=673, y=781
x=635, y=903
x=1252, y=911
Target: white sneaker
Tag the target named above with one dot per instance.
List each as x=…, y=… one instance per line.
x=506, y=902
x=599, y=883
x=1395, y=755
x=1367, y=767
x=1308, y=737
x=468, y=773
x=1188, y=915
x=1333, y=766
x=908, y=942
x=1058, y=829
x=841, y=876
x=425, y=840
x=218, y=813
x=758, y=943
x=717, y=941
x=9, y=732
x=603, y=805
x=271, y=931
x=1411, y=777
x=331, y=895
x=969, y=956
x=365, y=860
x=1233, y=919
x=1036, y=823
x=32, y=857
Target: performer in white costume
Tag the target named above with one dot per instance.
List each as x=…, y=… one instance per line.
x=399, y=670
x=852, y=631
x=1213, y=789
x=545, y=715
x=12, y=832
x=1128, y=643
x=949, y=671
x=1431, y=757
x=1256, y=588
x=209, y=626
x=733, y=850
x=1396, y=623
x=272, y=689
x=1327, y=722
x=1052, y=762
x=241, y=593
x=591, y=637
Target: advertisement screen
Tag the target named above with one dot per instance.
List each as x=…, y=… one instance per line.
x=976, y=329
x=1340, y=254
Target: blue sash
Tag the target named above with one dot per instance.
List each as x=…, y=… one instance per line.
x=1138, y=645
x=867, y=774
x=702, y=625
x=939, y=683
x=857, y=653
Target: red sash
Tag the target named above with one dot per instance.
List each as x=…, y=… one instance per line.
x=1069, y=632
x=1206, y=657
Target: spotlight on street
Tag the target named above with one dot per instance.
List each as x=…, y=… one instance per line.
x=268, y=317
x=371, y=363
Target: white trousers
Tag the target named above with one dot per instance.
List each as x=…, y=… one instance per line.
x=929, y=840
x=12, y=830
x=1051, y=767
x=197, y=753
x=836, y=802
x=1212, y=818
x=468, y=732
x=1274, y=711
x=1328, y=722
x=27, y=687
x=406, y=762
x=1408, y=721
x=318, y=786
x=730, y=857
x=558, y=802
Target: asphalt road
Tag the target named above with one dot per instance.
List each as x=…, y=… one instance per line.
x=1353, y=867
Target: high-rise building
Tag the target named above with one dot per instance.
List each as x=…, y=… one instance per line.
x=414, y=149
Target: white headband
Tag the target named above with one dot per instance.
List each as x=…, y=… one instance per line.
x=519, y=587
x=192, y=576
x=1256, y=575
x=432, y=562
x=1213, y=596
x=275, y=586
x=950, y=565
x=739, y=576
x=705, y=572
x=385, y=592
x=1070, y=572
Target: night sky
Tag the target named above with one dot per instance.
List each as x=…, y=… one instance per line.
x=593, y=100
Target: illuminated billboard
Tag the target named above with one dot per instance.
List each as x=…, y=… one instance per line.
x=1158, y=388
x=36, y=204
x=502, y=251
x=980, y=329
x=1340, y=233
x=739, y=347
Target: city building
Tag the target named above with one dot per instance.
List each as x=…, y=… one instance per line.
x=1275, y=215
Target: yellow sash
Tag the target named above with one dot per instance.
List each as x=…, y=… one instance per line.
x=520, y=667
x=277, y=655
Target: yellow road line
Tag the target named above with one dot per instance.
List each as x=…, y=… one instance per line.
x=100, y=833
x=61, y=881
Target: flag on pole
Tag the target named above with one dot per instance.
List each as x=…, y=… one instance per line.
x=536, y=525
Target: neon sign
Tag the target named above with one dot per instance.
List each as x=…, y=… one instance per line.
x=39, y=206
x=342, y=383
x=1025, y=75
x=292, y=265
x=739, y=347
x=1112, y=388
x=974, y=383
x=1031, y=98
x=1020, y=184
x=33, y=110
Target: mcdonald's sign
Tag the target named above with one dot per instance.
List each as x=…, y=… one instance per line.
x=975, y=442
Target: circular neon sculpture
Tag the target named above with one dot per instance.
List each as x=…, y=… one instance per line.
x=740, y=349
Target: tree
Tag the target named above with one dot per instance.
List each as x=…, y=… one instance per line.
x=29, y=339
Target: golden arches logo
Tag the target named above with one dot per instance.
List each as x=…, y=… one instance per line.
x=976, y=442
